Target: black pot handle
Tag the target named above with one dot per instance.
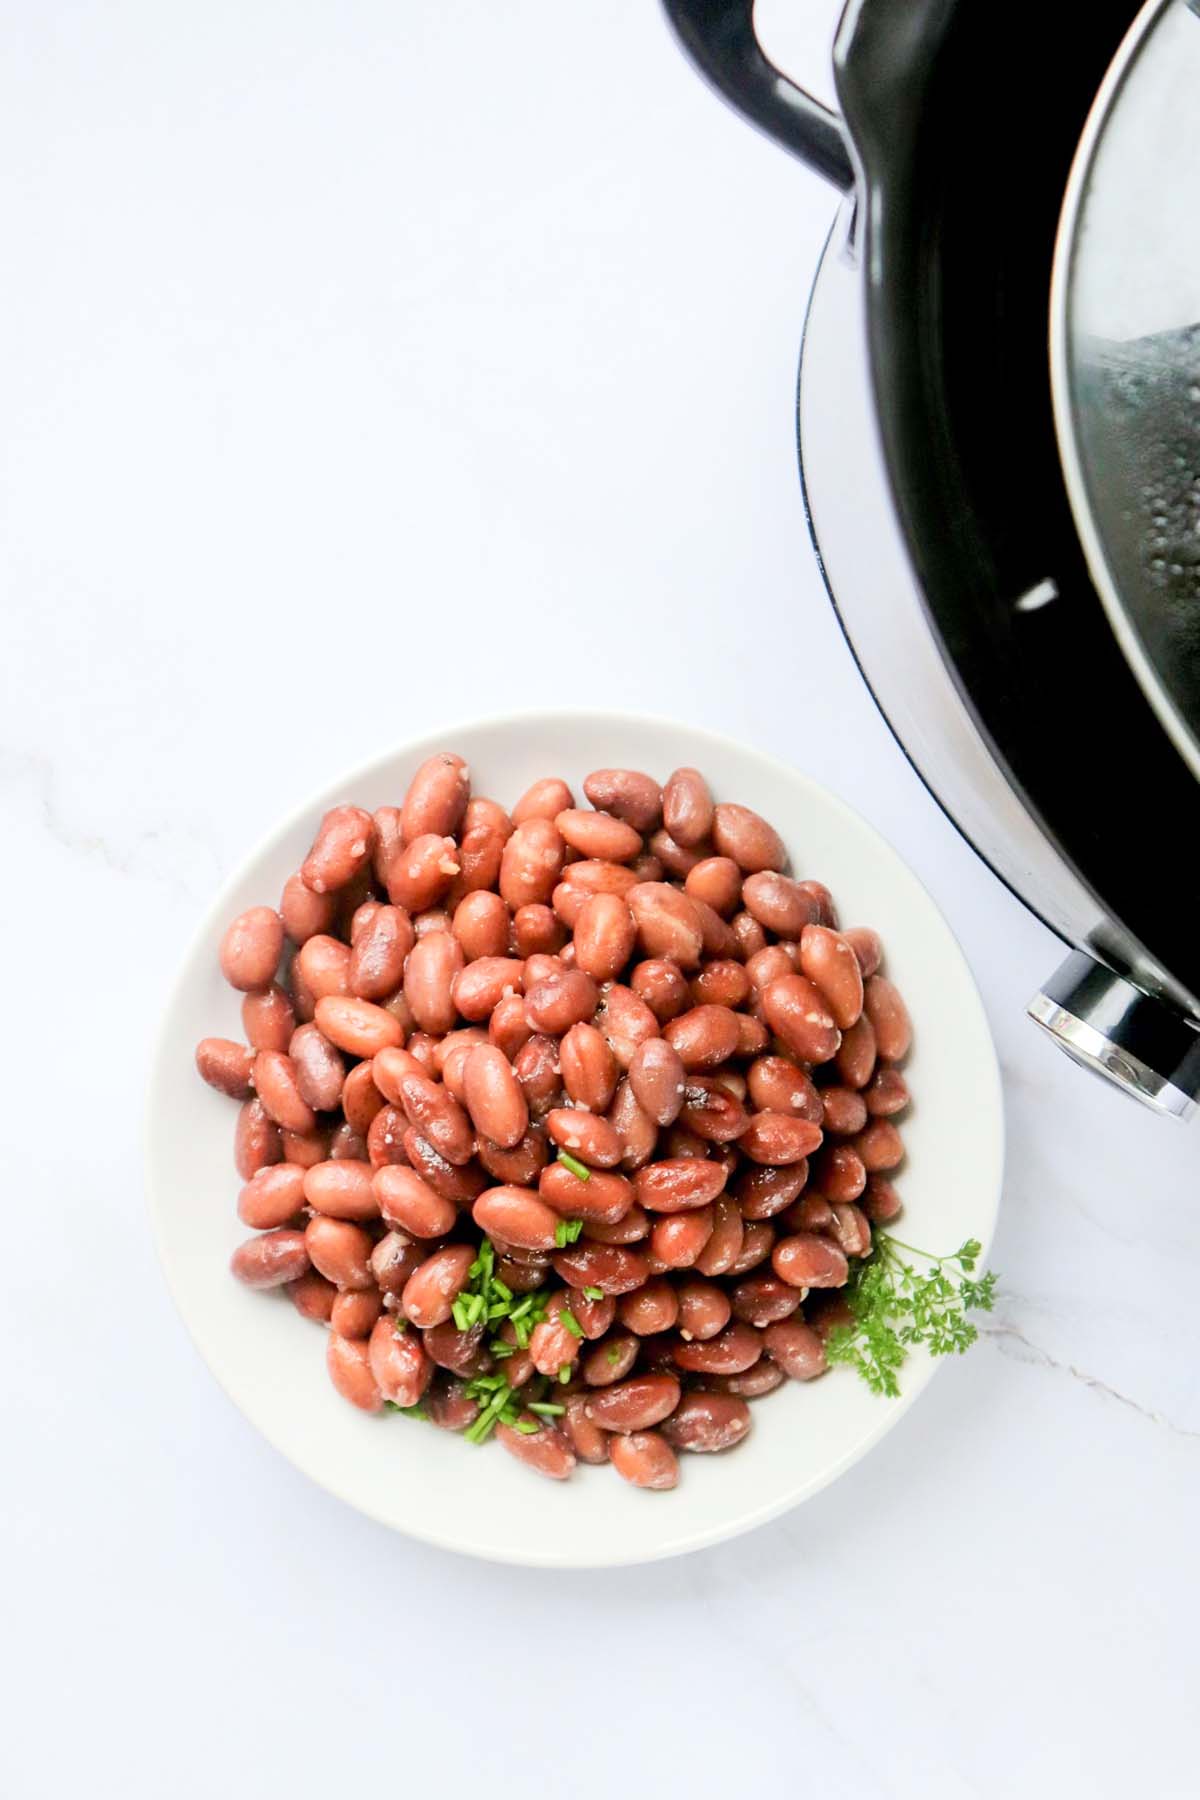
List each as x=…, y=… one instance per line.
x=719, y=37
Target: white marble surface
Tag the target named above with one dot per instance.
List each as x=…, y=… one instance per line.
x=367, y=366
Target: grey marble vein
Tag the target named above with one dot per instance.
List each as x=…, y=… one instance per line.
x=1009, y=1340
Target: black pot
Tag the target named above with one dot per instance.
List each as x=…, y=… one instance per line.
x=959, y=125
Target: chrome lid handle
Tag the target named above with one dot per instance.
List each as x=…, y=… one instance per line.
x=1141, y=1044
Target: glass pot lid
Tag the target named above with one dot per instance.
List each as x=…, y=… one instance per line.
x=1125, y=356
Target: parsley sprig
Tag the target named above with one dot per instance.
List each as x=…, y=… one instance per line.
x=896, y=1304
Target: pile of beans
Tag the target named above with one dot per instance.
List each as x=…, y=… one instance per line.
x=566, y=1123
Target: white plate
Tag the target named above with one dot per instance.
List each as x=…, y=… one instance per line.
x=429, y=1483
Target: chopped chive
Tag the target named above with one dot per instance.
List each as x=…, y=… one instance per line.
x=527, y=1427
x=549, y=1408
x=518, y=1312
x=475, y=1306
x=613, y=1354
x=593, y=1293
x=567, y=1317
x=399, y=1325
x=564, y=1373
x=574, y=1229
x=407, y=1412
x=502, y=1288
x=560, y=1234
x=573, y=1163
x=499, y=1348
x=459, y=1310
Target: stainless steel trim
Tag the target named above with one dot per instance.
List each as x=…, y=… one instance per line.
x=1089, y=1047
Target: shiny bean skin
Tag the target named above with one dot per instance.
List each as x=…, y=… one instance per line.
x=711, y=1112
x=341, y=1251
x=319, y=1071
x=851, y=1232
x=589, y=1443
x=668, y=923
x=829, y=962
x=625, y=1023
x=747, y=839
x=799, y=1015
x=509, y=1027
x=518, y=1167
x=304, y=914
x=543, y=800
x=430, y=1292
x=763, y=1192
x=721, y=983
x=324, y=964
x=437, y=1116
x=553, y=1347
x=635, y=1404
x=808, y=1261
x=272, y=1198
x=763, y=1378
x=495, y=1101
x=422, y=874
x=645, y=1459
x=532, y=863
x=656, y=1075
x=537, y=930
x=349, y=1364
x=706, y=1423
x=422, y=1047
x=748, y=934
x=660, y=985
x=536, y=1066
x=312, y=1296
x=632, y=1228
x=812, y=1212
x=546, y=1449
x=589, y=1068
x=677, y=859
x=346, y=1144
x=604, y=1198
x=429, y=974
x=886, y=1094
x=679, y=1184
x=718, y=939
x=394, y=1258
x=704, y=1037
x=271, y=1260
x=480, y=853
x=540, y=967
x=449, y=1405
x=605, y=934
x=678, y=1239
x=586, y=1136
x=687, y=806
x=845, y=1111
x=887, y=1012
x=758, y=1238
x=724, y=1245
x=680, y=1142
x=361, y=1099
x=796, y=1348
x=777, y=1085
x=517, y=1216
x=406, y=1201
x=781, y=905
x=762, y=1299
x=357, y=1026
x=480, y=987
x=779, y=1138
x=734, y=1349
x=561, y=1000
x=840, y=1173
x=823, y=899
x=343, y=845
x=437, y=797
x=251, y=948
x=226, y=1066
x=305, y=1148
x=342, y=1189
x=717, y=882
x=379, y=952
x=354, y=1313
x=398, y=1362
x=256, y=1140
x=268, y=1019
x=599, y=836
x=704, y=1310
x=769, y=964
x=634, y=1126
x=866, y=946
x=611, y=1267
x=450, y=1058
x=481, y=925
x=651, y=1309
x=880, y=1147
x=855, y=1058
x=627, y=794
x=880, y=1201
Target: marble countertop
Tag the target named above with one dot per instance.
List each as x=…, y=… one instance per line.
x=368, y=367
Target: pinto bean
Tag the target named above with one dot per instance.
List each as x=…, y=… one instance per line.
x=627, y=794
x=268, y=1018
x=430, y=1292
x=678, y=1239
x=724, y=1245
x=271, y=1260
x=668, y=923
x=703, y=1038
x=731, y=1351
x=706, y=1423
x=341, y=1251
x=884, y=1006
x=589, y=1068
x=256, y=1140
x=429, y=976
x=645, y=1460
x=251, y=948
x=226, y=1066
x=343, y=845
x=545, y=799
x=808, y=1261
x=798, y=1014
x=625, y=1023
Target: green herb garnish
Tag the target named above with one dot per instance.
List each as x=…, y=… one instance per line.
x=593, y=1293
x=567, y=1317
x=896, y=1305
x=545, y=1407
x=564, y=1373
x=406, y=1412
x=613, y=1355
x=576, y=1167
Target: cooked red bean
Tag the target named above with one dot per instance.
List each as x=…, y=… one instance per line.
x=380, y=949
x=676, y=859
x=610, y=1267
x=711, y=1111
x=635, y=1127
x=342, y=846
x=635, y=1404
x=532, y=863
x=553, y=1347
x=518, y=1217
x=746, y=838
x=603, y=1199
x=590, y=1139
x=429, y=974
x=880, y=1147
x=357, y=1026
x=341, y=1251
x=845, y=1111
x=561, y=1000
x=880, y=1201
x=652, y=1308
x=462, y=1352
x=312, y=1296
x=347, y=1143
x=449, y=1405
x=226, y=1066
x=866, y=946
x=632, y=1227
x=605, y=934
x=398, y=1362
x=645, y=1460
x=777, y=1085
x=430, y=1292
x=678, y=1239
x=733, y=1350
x=536, y=930
x=437, y=796
x=884, y=1006
x=354, y=1313
x=809, y=1261
x=722, y=982
x=704, y=1309
x=599, y=835
x=762, y=1299
x=725, y=1241
x=271, y=1260
x=543, y=800
x=545, y=1449
x=349, y=1363
x=394, y=1258
x=687, y=807
x=679, y=1184
x=796, y=1348
x=800, y=1015
x=668, y=923
x=324, y=964
x=886, y=1093
x=703, y=1038
x=625, y=1023
x=481, y=925
x=778, y=1139
x=660, y=984
x=851, y=1230
x=590, y=1444
x=495, y=1102
x=342, y=1188
x=627, y=794
x=268, y=1019
x=251, y=948
x=829, y=962
x=748, y=934
x=772, y=963
x=717, y=881
x=438, y=1117
x=518, y=1167
x=536, y=1066
x=272, y=1197
x=758, y=1237
x=705, y=1423
x=589, y=1068
x=256, y=1140
x=763, y=1192
x=840, y=1172
x=304, y=913
x=656, y=1075
x=405, y=1200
